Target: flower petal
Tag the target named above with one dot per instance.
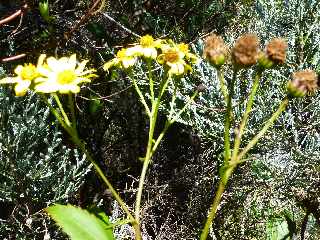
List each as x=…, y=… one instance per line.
x=81, y=67
x=72, y=62
x=22, y=87
x=41, y=60
x=18, y=69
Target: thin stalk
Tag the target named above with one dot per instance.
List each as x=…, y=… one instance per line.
x=65, y=116
x=227, y=123
x=265, y=128
x=184, y=107
x=142, y=99
x=146, y=162
x=157, y=142
x=57, y=115
x=114, y=193
x=150, y=79
x=214, y=208
x=245, y=117
x=222, y=84
x=81, y=145
x=153, y=120
x=169, y=122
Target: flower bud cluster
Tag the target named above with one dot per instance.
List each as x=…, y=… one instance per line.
x=245, y=52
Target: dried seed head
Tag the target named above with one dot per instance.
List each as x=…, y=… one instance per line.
x=303, y=82
x=245, y=52
x=215, y=51
x=274, y=54
x=276, y=50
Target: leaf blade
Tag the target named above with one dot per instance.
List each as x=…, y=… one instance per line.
x=79, y=224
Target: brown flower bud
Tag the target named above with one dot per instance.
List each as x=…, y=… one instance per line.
x=245, y=52
x=215, y=51
x=303, y=82
x=276, y=50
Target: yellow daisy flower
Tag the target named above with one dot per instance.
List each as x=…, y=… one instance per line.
x=125, y=58
x=25, y=76
x=147, y=47
x=174, y=58
x=62, y=75
x=183, y=47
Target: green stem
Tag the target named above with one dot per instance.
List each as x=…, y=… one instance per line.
x=222, y=85
x=265, y=128
x=184, y=107
x=245, y=117
x=142, y=99
x=146, y=162
x=170, y=121
x=213, y=209
x=231, y=167
x=161, y=135
x=81, y=145
x=150, y=79
x=153, y=120
x=227, y=124
x=57, y=115
x=65, y=116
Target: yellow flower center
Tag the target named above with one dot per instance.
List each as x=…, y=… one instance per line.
x=66, y=77
x=29, y=72
x=146, y=41
x=121, y=53
x=183, y=48
x=171, y=56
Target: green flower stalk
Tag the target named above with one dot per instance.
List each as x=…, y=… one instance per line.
x=63, y=76
x=245, y=54
x=176, y=61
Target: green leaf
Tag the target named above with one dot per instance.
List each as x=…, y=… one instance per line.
x=79, y=224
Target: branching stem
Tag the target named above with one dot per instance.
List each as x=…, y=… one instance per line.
x=245, y=117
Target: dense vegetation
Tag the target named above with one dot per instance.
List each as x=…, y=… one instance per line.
x=276, y=195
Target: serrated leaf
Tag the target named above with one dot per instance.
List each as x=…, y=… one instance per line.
x=79, y=224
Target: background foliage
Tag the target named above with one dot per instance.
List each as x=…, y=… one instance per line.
x=274, y=195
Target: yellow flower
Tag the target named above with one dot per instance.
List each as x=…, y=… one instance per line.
x=148, y=47
x=174, y=58
x=125, y=58
x=25, y=76
x=183, y=47
x=62, y=75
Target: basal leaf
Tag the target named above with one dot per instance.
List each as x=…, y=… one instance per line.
x=79, y=224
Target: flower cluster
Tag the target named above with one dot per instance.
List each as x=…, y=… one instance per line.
x=245, y=52
x=50, y=75
x=175, y=57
